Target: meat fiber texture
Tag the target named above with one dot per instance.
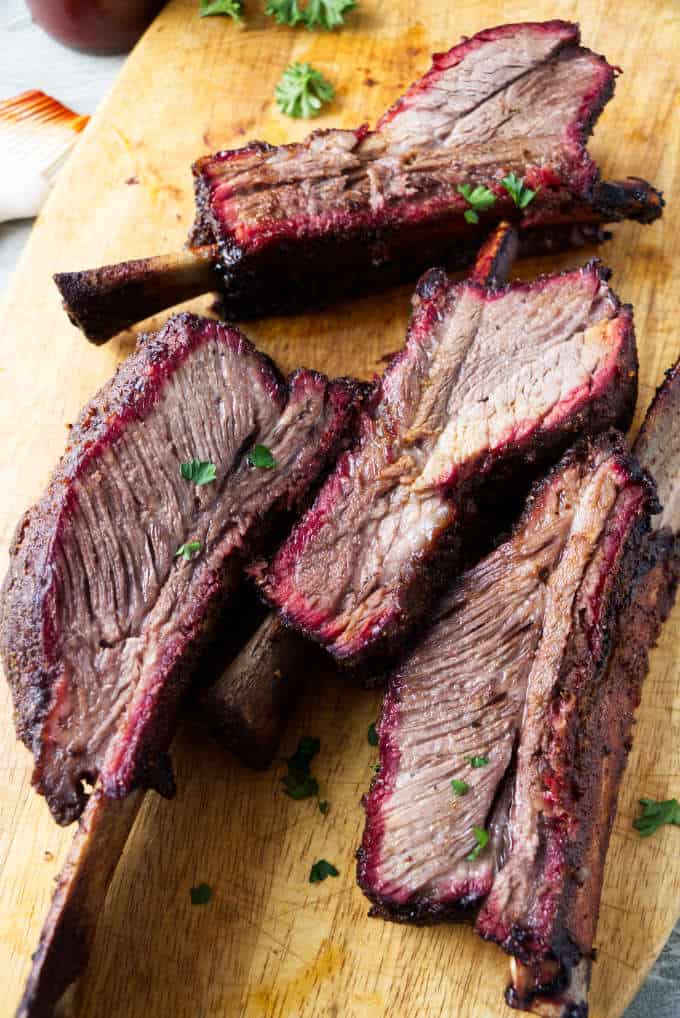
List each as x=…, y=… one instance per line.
x=101, y=619
x=458, y=697
x=487, y=380
x=297, y=223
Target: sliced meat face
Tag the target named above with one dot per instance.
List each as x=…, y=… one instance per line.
x=518, y=99
x=102, y=613
x=487, y=379
x=453, y=708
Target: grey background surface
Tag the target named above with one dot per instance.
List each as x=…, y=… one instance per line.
x=29, y=59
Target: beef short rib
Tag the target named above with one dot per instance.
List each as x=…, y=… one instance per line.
x=284, y=227
x=551, y=934
x=453, y=708
x=102, y=616
x=294, y=222
x=488, y=380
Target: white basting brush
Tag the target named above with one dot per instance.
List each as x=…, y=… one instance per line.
x=36, y=134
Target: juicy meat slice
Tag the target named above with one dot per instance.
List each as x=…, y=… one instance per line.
x=518, y=98
x=460, y=694
x=101, y=617
x=487, y=378
x=555, y=984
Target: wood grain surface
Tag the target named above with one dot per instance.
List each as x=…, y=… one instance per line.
x=269, y=943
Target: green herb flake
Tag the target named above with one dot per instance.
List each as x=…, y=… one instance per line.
x=324, y=14
x=188, y=550
x=322, y=869
x=477, y=761
x=460, y=787
x=323, y=806
x=200, y=895
x=376, y=768
x=372, y=735
x=199, y=471
x=261, y=456
x=285, y=12
x=327, y=14
x=299, y=783
x=302, y=91
x=655, y=814
x=518, y=191
x=232, y=8
x=482, y=839
x=479, y=199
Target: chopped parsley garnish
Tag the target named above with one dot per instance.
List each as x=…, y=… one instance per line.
x=326, y=14
x=322, y=869
x=323, y=806
x=198, y=471
x=478, y=761
x=302, y=91
x=376, y=768
x=188, y=550
x=460, y=787
x=233, y=8
x=299, y=783
x=261, y=456
x=656, y=814
x=200, y=895
x=518, y=191
x=372, y=735
x=284, y=12
x=479, y=199
x=482, y=839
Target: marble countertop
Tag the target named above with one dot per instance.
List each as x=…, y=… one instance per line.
x=30, y=59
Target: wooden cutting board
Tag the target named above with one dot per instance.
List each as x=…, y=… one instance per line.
x=269, y=943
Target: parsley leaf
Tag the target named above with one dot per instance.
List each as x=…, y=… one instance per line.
x=261, y=456
x=302, y=91
x=198, y=471
x=284, y=12
x=200, y=895
x=482, y=839
x=372, y=735
x=656, y=814
x=299, y=783
x=322, y=869
x=478, y=761
x=188, y=550
x=323, y=806
x=327, y=14
x=460, y=787
x=479, y=199
x=233, y=8
x=518, y=191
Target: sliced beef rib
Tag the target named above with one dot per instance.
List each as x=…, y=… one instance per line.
x=281, y=227
x=454, y=706
x=487, y=379
x=101, y=617
x=551, y=936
